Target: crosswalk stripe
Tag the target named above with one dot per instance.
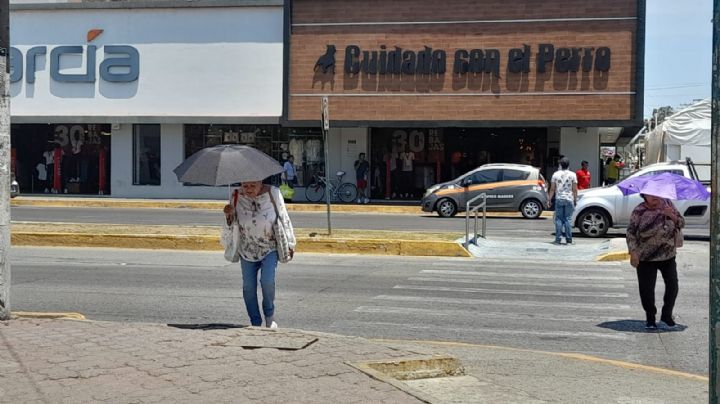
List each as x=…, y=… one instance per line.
x=524, y=275
x=524, y=303
x=510, y=292
x=533, y=284
x=520, y=263
x=478, y=313
x=500, y=331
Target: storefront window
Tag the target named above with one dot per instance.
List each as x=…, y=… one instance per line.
x=405, y=162
x=146, y=154
x=304, y=144
x=61, y=158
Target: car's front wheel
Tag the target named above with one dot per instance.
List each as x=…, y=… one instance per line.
x=446, y=208
x=531, y=209
x=593, y=223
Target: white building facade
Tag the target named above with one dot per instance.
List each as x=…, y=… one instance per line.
x=108, y=98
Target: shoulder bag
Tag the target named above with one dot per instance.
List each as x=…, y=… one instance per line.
x=679, y=238
x=283, y=245
x=232, y=249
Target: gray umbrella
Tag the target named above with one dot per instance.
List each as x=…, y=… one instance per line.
x=227, y=164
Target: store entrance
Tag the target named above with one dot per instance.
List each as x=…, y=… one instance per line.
x=61, y=158
x=405, y=162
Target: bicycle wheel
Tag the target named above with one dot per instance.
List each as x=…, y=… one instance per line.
x=347, y=192
x=315, y=192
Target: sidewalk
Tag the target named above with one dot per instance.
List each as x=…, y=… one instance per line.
x=72, y=361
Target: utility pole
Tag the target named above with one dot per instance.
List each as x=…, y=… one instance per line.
x=5, y=164
x=715, y=213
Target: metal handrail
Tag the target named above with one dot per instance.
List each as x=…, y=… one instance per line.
x=475, y=209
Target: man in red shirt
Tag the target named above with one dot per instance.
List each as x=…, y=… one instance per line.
x=583, y=176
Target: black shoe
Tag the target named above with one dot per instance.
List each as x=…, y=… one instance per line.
x=650, y=325
x=668, y=321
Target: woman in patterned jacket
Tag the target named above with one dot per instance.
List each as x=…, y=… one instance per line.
x=651, y=243
x=258, y=244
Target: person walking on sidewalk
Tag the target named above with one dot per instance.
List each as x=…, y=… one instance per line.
x=651, y=240
x=563, y=186
x=583, y=176
x=362, y=167
x=255, y=211
x=289, y=174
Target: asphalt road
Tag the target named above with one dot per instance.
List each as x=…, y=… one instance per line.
x=543, y=303
x=506, y=226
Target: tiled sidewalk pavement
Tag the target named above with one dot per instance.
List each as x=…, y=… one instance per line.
x=82, y=361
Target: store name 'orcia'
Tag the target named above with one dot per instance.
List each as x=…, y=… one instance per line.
x=121, y=64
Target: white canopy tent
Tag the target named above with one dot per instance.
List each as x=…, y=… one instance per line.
x=683, y=134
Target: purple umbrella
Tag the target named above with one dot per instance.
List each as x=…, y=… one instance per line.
x=665, y=185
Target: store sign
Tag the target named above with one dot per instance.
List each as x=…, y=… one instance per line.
x=121, y=63
x=429, y=61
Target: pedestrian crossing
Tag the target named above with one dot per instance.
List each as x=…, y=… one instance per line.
x=556, y=305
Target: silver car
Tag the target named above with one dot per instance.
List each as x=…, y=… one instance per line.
x=599, y=209
x=509, y=188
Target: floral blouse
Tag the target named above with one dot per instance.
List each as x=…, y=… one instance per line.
x=256, y=218
x=651, y=234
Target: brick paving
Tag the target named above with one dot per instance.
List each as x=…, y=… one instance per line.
x=66, y=361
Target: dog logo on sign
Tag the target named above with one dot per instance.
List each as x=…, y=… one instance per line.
x=326, y=62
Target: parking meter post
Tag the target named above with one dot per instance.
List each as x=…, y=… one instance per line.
x=714, y=372
x=4, y=161
x=325, y=114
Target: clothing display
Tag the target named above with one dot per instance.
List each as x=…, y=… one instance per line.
x=296, y=147
x=41, y=172
x=313, y=150
x=407, y=160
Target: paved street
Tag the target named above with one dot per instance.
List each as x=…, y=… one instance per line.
x=591, y=308
x=496, y=226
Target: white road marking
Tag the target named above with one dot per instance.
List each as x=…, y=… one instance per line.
x=526, y=275
x=510, y=292
x=525, y=303
x=532, y=284
x=500, y=331
x=455, y=313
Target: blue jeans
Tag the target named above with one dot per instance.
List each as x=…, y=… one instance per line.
x=267, y=268
x=563, y=216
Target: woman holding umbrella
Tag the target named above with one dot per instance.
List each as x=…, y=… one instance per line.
x=654, y=233
x=257, y=207
x=651, y=237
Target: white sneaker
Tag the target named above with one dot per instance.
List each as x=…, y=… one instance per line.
x=273, y=326
x=367, y=200
x=359, y=201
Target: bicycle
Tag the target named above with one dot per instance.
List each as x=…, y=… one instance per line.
x=344, y=191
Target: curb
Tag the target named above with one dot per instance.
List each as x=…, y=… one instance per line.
x=47, y=316
x=212, y=243
x=613, y=256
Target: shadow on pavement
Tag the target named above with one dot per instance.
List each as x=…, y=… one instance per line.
x=205, y=327
x=639, y=326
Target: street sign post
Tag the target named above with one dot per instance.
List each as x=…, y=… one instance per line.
x=325, y=115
